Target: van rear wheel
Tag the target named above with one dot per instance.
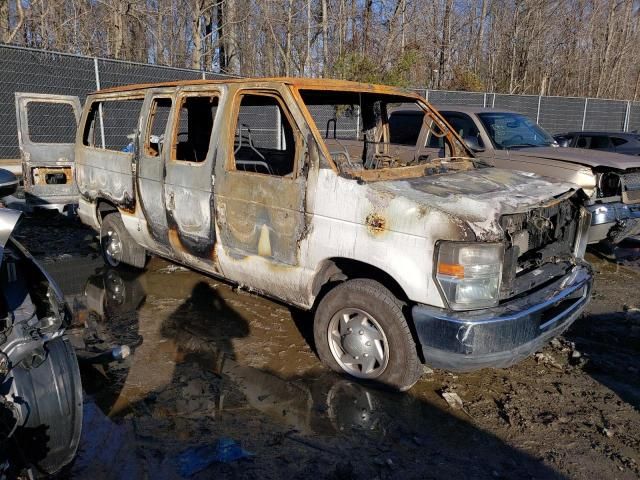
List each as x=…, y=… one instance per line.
x=359, y=329
x=117, y=246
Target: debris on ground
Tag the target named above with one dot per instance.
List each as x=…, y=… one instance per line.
x=547, y=359
x=452, y=399
x=196, y=459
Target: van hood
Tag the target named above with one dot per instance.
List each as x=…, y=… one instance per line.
x=479, y=197
x=581, y=156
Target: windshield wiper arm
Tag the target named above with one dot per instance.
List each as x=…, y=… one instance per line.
x=525, y=145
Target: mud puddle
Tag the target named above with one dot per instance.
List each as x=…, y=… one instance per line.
x=209, y=363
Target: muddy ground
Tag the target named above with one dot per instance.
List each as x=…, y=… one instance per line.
x=213, y=363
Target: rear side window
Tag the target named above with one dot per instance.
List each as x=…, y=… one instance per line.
x=617, y=141
x=193, y=129
x=158, y=119
x=113, y=124
x=599, y=141
x=51, y=122
x=464, y=126
x=404, y=127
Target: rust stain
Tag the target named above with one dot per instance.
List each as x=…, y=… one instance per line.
x=45, y=175
x=376, y=223
x=308, y=83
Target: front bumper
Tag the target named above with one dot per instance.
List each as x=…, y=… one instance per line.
x=503, y=335
x=614, y=221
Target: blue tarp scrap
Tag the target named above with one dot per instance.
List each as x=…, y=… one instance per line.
x=196, y=459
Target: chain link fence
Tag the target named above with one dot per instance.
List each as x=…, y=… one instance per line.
x=555, y=114
x=39, y=71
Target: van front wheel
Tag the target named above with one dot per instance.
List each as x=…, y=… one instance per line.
x=117, y=246
x=359, y=329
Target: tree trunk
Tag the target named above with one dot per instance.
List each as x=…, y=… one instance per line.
x=11, y=35
x=196, y=33
x=366, y=26
x=4, y=19
x=326, y=66
x=287, y=45
x=446, y=40
x=480, y=37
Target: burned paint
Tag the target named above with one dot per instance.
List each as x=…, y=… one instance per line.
x=376, y=223
x=51, y=175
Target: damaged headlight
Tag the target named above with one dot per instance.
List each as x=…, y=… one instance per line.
x=469, y=274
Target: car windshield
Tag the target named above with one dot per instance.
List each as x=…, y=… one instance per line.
x=362, y=133
x=512, y=130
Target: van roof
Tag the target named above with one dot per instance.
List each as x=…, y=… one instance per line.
x=302, y=83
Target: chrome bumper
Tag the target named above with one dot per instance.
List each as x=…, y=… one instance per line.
x=502, y=335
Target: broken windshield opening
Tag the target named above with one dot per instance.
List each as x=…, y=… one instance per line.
x=372, y=131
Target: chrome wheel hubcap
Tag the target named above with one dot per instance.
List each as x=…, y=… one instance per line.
x=358, y=343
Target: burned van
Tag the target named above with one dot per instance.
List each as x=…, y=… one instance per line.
x=294, y=189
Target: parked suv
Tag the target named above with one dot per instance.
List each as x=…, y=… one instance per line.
x=511, y=140
x=294, y=189
x=619, y=142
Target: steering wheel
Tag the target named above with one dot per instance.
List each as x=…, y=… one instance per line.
x=515, y=140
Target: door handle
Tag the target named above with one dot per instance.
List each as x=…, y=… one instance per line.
x=172, y=203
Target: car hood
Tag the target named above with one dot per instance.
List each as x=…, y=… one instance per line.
x=479, y=197
x=591, y=158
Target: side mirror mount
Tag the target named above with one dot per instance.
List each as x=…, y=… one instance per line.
x=473, y=144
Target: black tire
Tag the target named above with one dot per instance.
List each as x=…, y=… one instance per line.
x=128, y=253
x=402, y=367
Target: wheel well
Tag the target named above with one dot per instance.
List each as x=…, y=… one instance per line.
x=336, y=270
x=104, y=207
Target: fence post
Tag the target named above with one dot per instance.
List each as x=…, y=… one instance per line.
x=627, y=117
x=538, y=113
x=584, y=114
x=204, y=76
x=484, y=100
x=97, y=73
x=279, y=129
x=493, y=100
x=426, y=94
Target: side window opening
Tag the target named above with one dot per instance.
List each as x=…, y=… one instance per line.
x=405, y=127
x=113, y=124
x=158, y=118
x=599, y=141
x=51, y=122
x=264, y=140
x=583, y=142
x=617, y=141
x=193, y=128
x=464, y=126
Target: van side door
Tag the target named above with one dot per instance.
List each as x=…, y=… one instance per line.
x=261, y=189
x=152, y=156
x=188, y=184
x=47, y=127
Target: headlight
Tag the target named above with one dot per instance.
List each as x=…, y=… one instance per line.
x=469, y=274
x=609, y=184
